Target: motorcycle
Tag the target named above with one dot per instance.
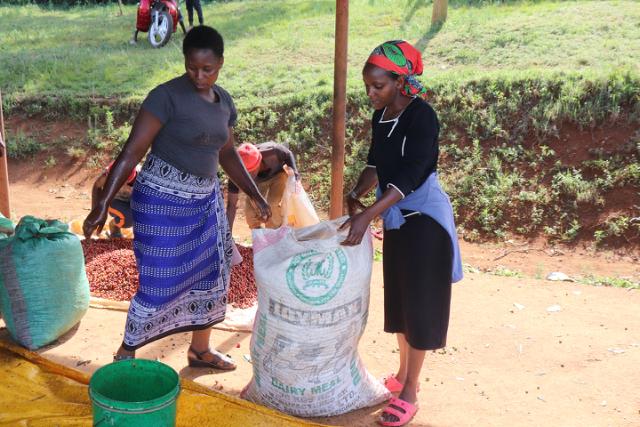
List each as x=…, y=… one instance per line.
x=160, y=19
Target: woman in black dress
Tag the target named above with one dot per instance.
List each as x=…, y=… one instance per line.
x=421, y=256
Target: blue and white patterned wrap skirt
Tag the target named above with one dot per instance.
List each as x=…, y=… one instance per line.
x=183, y=251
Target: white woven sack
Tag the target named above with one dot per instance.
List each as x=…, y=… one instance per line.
x=313, y=300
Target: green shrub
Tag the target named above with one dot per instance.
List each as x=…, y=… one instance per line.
x=21, y=146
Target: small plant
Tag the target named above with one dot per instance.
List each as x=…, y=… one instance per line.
x=619, y=226
x=539, y=272
x=94, y=133
x=505, y=272
x=95, y=161
x=599, y=236
x=33, y=109
x=50, y=162
x=471, y=236
x=572, y=184
x=546, y=152
x=468, y=268
x=76, y=152
x=120, y=135
x=571, y=233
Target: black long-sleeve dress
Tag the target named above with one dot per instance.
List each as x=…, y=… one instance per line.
x=418, y=256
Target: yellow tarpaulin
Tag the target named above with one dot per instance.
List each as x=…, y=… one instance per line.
x=35, y=392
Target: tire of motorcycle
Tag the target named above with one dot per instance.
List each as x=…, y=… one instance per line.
x=161, y=28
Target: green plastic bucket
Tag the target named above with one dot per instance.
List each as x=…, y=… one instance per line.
x=136, y=393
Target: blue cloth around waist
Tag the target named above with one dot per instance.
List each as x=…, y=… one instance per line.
x=429, y=199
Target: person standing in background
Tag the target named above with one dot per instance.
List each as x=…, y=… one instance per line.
x=191, y=4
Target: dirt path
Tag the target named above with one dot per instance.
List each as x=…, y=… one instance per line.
x=509, y=361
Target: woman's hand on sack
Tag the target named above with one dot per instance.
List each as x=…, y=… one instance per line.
x=358, y=225
x=95, y=220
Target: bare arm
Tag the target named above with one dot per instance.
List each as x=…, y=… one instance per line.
x=367, y=180
x=144, y=130
x=232, y=208
x=232, y=165
x=98, y=185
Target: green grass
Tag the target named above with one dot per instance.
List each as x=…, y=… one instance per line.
x=278, y=48
x=618, y=282
x=506, y=272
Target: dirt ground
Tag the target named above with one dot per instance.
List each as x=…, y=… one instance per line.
x=510, y=361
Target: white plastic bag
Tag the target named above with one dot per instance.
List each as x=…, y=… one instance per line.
x=297, y=207
x=313, y=300
x=236, y=257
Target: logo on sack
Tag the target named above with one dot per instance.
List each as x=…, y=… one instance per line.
x=316, y=277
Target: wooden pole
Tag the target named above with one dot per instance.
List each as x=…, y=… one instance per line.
x=439, y=12
x=5, y=207
x=339, y=108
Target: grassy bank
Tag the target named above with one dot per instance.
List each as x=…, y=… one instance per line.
x=538, y=102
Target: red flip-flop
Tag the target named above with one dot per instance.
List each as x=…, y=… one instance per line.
x=393, y=385
x=403, y=410
x=378, y=234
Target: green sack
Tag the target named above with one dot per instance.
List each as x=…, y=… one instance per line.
x=6, y=227
x=44, y=289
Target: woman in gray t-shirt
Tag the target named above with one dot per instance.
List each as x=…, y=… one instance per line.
x=182, y=240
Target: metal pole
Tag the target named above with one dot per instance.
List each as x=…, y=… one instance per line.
x=5, y=207
x=339, y=107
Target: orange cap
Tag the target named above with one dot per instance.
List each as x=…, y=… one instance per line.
x=251, y=156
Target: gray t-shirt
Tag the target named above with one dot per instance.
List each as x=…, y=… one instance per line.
x=194, y=129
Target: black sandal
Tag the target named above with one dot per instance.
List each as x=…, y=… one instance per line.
x=221, y=362
x=119, y=357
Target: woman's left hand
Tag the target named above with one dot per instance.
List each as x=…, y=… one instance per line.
x=358, y=225
x=95, y=220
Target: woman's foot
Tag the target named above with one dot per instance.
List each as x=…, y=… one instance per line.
x=393, y=384
x=210, y=359
x=400, y=410
x=123, y=354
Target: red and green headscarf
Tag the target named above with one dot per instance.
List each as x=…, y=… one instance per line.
x=402, y=59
